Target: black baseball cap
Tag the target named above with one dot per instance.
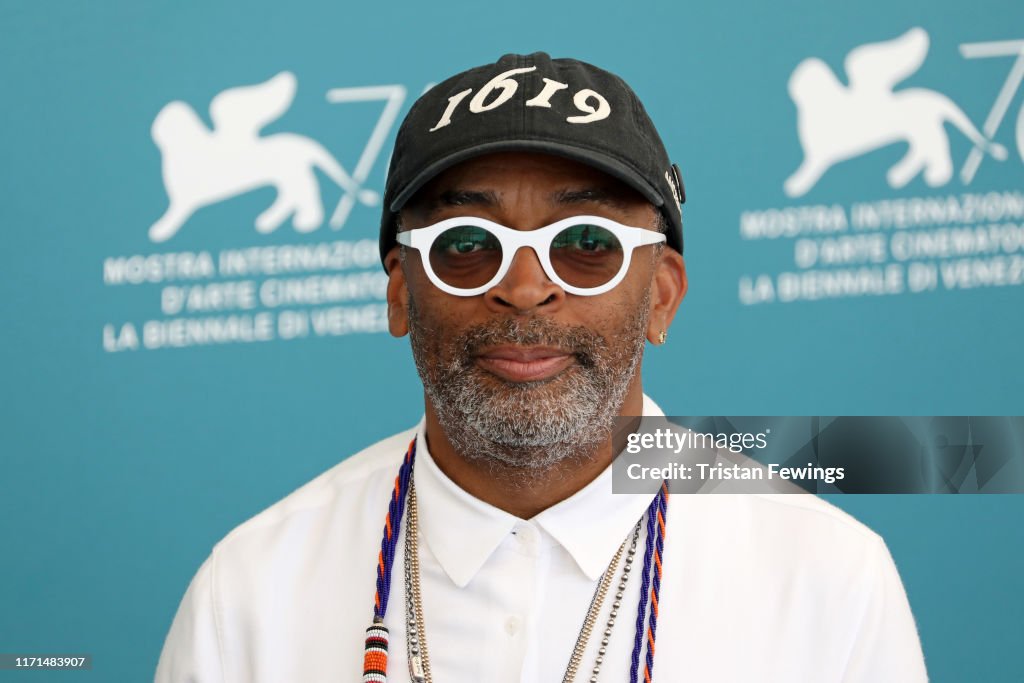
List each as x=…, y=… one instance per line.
x=534, y=103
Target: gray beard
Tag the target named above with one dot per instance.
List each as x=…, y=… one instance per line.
x=528, y=429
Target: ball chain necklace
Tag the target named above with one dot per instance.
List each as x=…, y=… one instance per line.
x=375, y=657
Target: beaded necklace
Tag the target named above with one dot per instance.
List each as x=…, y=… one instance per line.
x=375, y=657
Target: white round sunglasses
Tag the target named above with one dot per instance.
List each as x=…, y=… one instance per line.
x=584, y=255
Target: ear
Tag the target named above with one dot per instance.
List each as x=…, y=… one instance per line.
x=398, y=294
x=668, y=288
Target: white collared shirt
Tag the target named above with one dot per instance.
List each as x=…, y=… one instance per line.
x=760, y=588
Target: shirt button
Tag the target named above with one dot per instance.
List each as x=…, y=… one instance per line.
x=512, y=626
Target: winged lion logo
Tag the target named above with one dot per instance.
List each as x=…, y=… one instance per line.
x=836, y=122
x=203, y=166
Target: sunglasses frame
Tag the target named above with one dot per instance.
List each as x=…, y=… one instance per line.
x=539, y=240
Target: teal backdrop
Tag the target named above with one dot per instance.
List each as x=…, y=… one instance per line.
x=153, y=397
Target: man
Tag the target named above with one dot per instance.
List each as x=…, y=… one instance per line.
x=532, y=235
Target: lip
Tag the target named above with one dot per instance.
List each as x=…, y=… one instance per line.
x=525, y=363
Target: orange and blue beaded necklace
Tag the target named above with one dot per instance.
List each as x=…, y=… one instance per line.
x=375, y=658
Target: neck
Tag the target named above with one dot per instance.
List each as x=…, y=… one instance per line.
x=523, y=491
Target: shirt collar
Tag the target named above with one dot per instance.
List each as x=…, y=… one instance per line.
x=591, y=524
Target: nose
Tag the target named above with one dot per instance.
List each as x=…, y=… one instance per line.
x=525, y=287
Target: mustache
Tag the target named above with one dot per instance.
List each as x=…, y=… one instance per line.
x=585, y=344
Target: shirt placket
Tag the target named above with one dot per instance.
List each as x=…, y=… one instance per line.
x=523, y=571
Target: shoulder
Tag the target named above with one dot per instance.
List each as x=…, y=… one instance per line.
x=807, y=519
x=810, y=512
x=288, y=560
x=782, y=535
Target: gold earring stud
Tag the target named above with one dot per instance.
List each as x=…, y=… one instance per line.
x=662, y=336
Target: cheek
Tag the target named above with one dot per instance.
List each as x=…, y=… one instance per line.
x=436, y=318
x=443, y=314
x=632, y=293
x=617, y=316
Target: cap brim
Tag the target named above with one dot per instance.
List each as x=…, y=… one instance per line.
x=596, y=159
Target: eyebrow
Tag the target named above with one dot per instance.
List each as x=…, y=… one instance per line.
x=596, y=195
x=464, y=198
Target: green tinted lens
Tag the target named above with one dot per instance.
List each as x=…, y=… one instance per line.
x=586, y=255
x=466, y=256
